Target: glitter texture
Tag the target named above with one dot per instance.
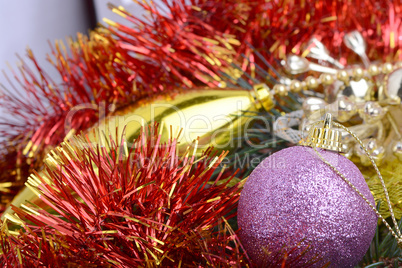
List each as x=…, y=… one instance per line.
x=294, y=204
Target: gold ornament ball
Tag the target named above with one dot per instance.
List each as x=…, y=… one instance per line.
x=280, y=90
x=343, y=76
x=312, y=83
x=387, y=68
x=326, y=79
x=358, y=74
x=373, y=70
x=296, y=86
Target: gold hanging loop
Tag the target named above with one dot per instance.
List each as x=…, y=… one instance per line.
x=311, y=141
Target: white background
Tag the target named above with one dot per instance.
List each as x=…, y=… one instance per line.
x=33, y=23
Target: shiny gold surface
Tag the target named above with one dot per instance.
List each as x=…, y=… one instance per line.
x=213, y=115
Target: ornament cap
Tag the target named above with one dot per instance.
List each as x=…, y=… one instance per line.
x=326, y=137
x=263, y=97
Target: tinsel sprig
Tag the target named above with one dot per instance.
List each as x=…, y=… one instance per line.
x=121, y=206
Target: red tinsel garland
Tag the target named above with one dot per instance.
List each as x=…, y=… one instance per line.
x=127, y=207
x=185, y=47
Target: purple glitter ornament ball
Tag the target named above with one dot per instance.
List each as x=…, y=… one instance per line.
x=294, y=203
